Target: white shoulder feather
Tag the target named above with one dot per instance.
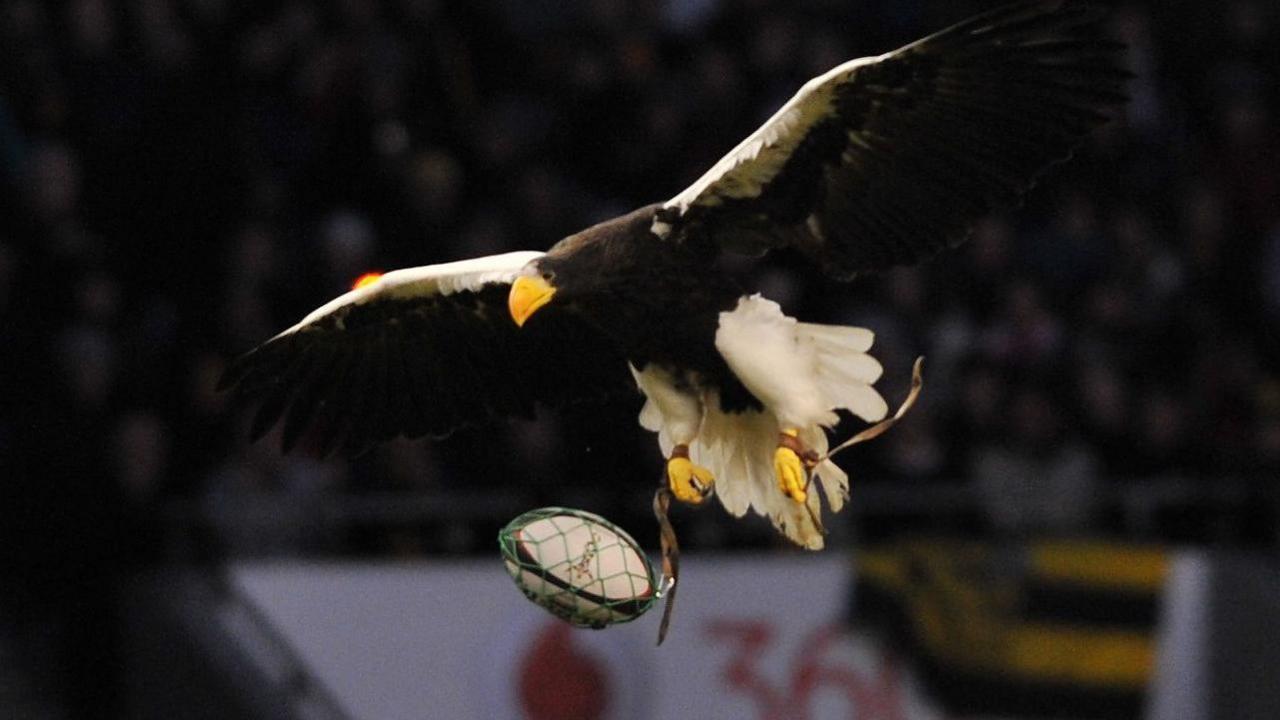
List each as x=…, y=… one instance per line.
x=747, y=168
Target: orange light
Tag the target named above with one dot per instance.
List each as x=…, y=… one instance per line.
x=368, y=278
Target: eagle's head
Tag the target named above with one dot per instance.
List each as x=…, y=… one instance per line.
x=594, y=267
x=578, y=279
x=530, y=291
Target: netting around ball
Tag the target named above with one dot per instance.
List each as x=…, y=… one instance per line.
x=578, y=565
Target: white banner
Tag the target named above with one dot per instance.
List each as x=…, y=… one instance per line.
x=752, y=637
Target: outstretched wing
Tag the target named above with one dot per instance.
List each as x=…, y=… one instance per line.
x=886, y=160
x=422, y=351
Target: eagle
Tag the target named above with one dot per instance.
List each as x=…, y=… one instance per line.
x=882, y=161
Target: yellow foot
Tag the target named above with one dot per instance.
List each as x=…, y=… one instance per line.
x=690, y=483
x=791, y=465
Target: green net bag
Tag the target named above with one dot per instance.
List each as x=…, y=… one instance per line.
x=579, y=566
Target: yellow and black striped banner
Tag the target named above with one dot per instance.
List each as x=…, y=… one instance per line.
x=1041, y=629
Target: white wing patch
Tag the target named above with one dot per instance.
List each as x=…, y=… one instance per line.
x=430, y=280
x=746, y=169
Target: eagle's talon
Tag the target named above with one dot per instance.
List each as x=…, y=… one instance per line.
x=688, y=482
x=792, y=462
x=793, y=476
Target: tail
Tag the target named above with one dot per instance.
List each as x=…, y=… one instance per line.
x=845, y=371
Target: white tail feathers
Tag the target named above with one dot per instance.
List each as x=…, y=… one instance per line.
x=845, y=372
x=837, y=339
x=766, y=351
x=802, y=372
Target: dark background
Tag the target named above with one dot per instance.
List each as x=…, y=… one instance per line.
x=181, y=179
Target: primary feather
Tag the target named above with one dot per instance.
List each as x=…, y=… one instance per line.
x=886, y=160
x=422, y=351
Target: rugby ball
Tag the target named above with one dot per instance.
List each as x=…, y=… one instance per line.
x=579, y=566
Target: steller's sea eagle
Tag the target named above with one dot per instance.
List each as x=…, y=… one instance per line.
x=882, y=161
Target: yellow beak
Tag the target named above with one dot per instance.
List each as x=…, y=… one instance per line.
x=528, y=293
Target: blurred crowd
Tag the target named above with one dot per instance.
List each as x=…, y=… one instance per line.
x=183, y=178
